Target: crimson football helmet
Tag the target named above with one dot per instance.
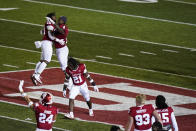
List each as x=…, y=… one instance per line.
x=46, y=98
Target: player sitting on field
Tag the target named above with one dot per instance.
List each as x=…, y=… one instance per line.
x=45, y=113
x=141, y=115
x=78, y=73
x=166, y=113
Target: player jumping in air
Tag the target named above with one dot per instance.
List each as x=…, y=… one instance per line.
x=45, y=113
x=166, y=113
x=141, y=115
x=46, y=46
x=62, y=51
x=78, y=73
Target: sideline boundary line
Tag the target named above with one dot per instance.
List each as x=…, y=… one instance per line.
x=109, y=12
x=124, y=66
x=102, y=35
x=182, y=2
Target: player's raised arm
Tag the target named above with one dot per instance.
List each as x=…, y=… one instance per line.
x=26, y=97
x=174, y=123
x=88, y=77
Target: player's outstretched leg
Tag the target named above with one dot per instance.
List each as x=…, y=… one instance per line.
x=89, y=103
x=70, y=115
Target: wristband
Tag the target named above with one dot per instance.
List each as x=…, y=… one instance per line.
x=24, y=94
x=91, y=81
x=30, y=103
x=88, y=76
x=66, y=83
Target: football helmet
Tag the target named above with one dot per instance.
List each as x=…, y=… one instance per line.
x=46, y=98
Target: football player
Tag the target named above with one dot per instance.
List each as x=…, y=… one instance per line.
x=141, y=115
x=166, y=113
x=45, y=113
x=62, y=51
x=78, y=73
x=46, y=46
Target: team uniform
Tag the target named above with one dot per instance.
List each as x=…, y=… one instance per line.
x=168, y=118
x=46, y=43
x=44, y=116
x=142, y=116
x=62, y=51
x=79, y=82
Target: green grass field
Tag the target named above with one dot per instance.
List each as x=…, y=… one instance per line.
x=107, y=28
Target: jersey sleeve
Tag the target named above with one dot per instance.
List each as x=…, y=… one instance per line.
x=153, y=108
x=36, y=107
x=85, y=70
x=130, y=112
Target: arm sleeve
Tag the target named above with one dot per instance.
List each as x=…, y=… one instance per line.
x=85, y=70
x=174, y=123
x=50, y=35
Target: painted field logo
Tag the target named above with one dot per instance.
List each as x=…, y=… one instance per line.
x=140, y=1
x=114, y=99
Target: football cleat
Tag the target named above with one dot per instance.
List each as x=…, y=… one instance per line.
x=69, y=116
x=37, y=78
x=91, y=112
x=34, y=80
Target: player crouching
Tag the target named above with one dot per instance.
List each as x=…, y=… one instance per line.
x=78, y=73
x=45, y=113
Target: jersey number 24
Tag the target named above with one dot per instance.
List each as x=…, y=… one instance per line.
x=43, y=118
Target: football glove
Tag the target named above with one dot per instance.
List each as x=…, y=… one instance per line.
x=96, y=89
x=60, y=41
x=64, y=93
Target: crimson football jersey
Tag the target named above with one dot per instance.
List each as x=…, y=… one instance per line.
x=46, y=37
x=165, y=115
x=142, y=116
x=44, y=115
x=61, y=36
x=77, y=75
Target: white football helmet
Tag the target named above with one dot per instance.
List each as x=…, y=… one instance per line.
x=46, y=98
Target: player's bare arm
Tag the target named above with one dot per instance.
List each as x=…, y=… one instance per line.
x=88, y=77
x=26, y=97
x=129, y=124
x=156, y=115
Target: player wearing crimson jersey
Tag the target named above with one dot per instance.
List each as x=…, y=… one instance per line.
x=45, y=113
x=166, y=113
x=46, y=46
x=141, y=115
x=78, y=73
x=62, y=51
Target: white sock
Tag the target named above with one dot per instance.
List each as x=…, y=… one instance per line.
x=41, y=67
x=91, y=110
x=37, y=66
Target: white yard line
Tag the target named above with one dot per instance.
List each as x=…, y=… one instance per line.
x=55, y=61
x=182, y=2
x=129, y=67
x=115, y=37
x=31, y=63
x=129, y=55
x=114, y=13
x=172, y=51
x=104, y=57
x=12, y=66
x=148, y=53
x=25, y=121
x=7, y=9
